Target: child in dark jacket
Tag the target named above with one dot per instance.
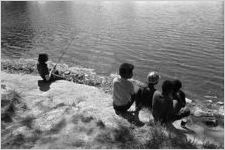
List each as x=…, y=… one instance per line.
x=145, y=94
x=43, y=69
x=179, y=101
x=178, y=95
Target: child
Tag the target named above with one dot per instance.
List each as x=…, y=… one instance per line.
x=179, y=101
x=44, y=71
x=178, y=95
x=162, y=104
x=145, y=94
x=123, y=89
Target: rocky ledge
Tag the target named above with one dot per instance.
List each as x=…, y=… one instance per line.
x=79, y=114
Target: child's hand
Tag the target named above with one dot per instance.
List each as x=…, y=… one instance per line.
x=54, y=67
x=47, y=77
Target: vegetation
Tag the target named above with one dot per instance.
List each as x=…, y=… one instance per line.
x=147, y=137
x=124, y=136
x=75, y=74
x=18, y=129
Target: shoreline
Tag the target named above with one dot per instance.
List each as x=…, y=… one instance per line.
x=87, y=76
x=67, y=98
x=77, y=74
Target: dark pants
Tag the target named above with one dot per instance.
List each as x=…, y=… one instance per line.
x=184, y=112
x=122, y=109
x=55, y=77
x=143, y=98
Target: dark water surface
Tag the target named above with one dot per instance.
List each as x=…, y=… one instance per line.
x=183, y=40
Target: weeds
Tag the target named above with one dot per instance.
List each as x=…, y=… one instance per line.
x=10, y=102
x=76, y=74
x=27, y=121
x=209, y=145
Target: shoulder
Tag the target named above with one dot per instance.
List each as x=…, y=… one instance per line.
x=116, y=80
x=157, y=93
x=156, y=99
x=157, y=96
x=133, y=83
x=181, y=93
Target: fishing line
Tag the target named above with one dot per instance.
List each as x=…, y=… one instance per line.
x=63, y=53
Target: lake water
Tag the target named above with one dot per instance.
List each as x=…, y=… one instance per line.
x=183, y=40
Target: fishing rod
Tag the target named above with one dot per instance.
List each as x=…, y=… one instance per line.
x=64, y=51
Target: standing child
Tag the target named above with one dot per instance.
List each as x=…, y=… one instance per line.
x=44, y=71
x=124, y=89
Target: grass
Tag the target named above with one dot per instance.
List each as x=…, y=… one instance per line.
x=76, y=74
x=124, y=136
x=147, y=137
x=27, y=121
x=209, y=145
x=11, y=120
x=9, y=104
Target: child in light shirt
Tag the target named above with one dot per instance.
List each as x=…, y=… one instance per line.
x=124, y=89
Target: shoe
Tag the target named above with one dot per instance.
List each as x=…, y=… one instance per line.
x=183, y=123
x=118, y=112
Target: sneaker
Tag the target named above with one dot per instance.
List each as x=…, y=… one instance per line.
x=183, y=123
x=117, y=112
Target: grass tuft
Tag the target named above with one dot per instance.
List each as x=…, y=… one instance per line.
x=27, y=121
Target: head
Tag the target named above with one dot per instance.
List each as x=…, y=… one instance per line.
x=126, y=70
x=43, y=58
x=167, y=87
x=153, y=78
x=177, y=85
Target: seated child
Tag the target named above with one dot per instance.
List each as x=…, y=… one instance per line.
x=124, y=89
x=178, y=95
x=145, y=94
x=179, y=101
x=43, y=69
x=164, y=107
x=162, y=103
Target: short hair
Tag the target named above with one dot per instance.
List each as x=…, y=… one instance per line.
x=125, y=70
x=182, y=96
x=43, y=57
x=177, y=85
x=167, y=87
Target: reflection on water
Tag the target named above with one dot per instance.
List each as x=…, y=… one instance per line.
x=179, y=39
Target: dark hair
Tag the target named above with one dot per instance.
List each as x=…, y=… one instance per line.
x=182, y=96
x=176, y=85
x=43, y=58
x=167, y=87
x=125, y=70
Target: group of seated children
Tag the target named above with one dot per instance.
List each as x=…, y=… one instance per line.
x=166, y=106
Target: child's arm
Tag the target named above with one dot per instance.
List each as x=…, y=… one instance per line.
x=52, y=71
x=138, y=83
x=182, y=96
